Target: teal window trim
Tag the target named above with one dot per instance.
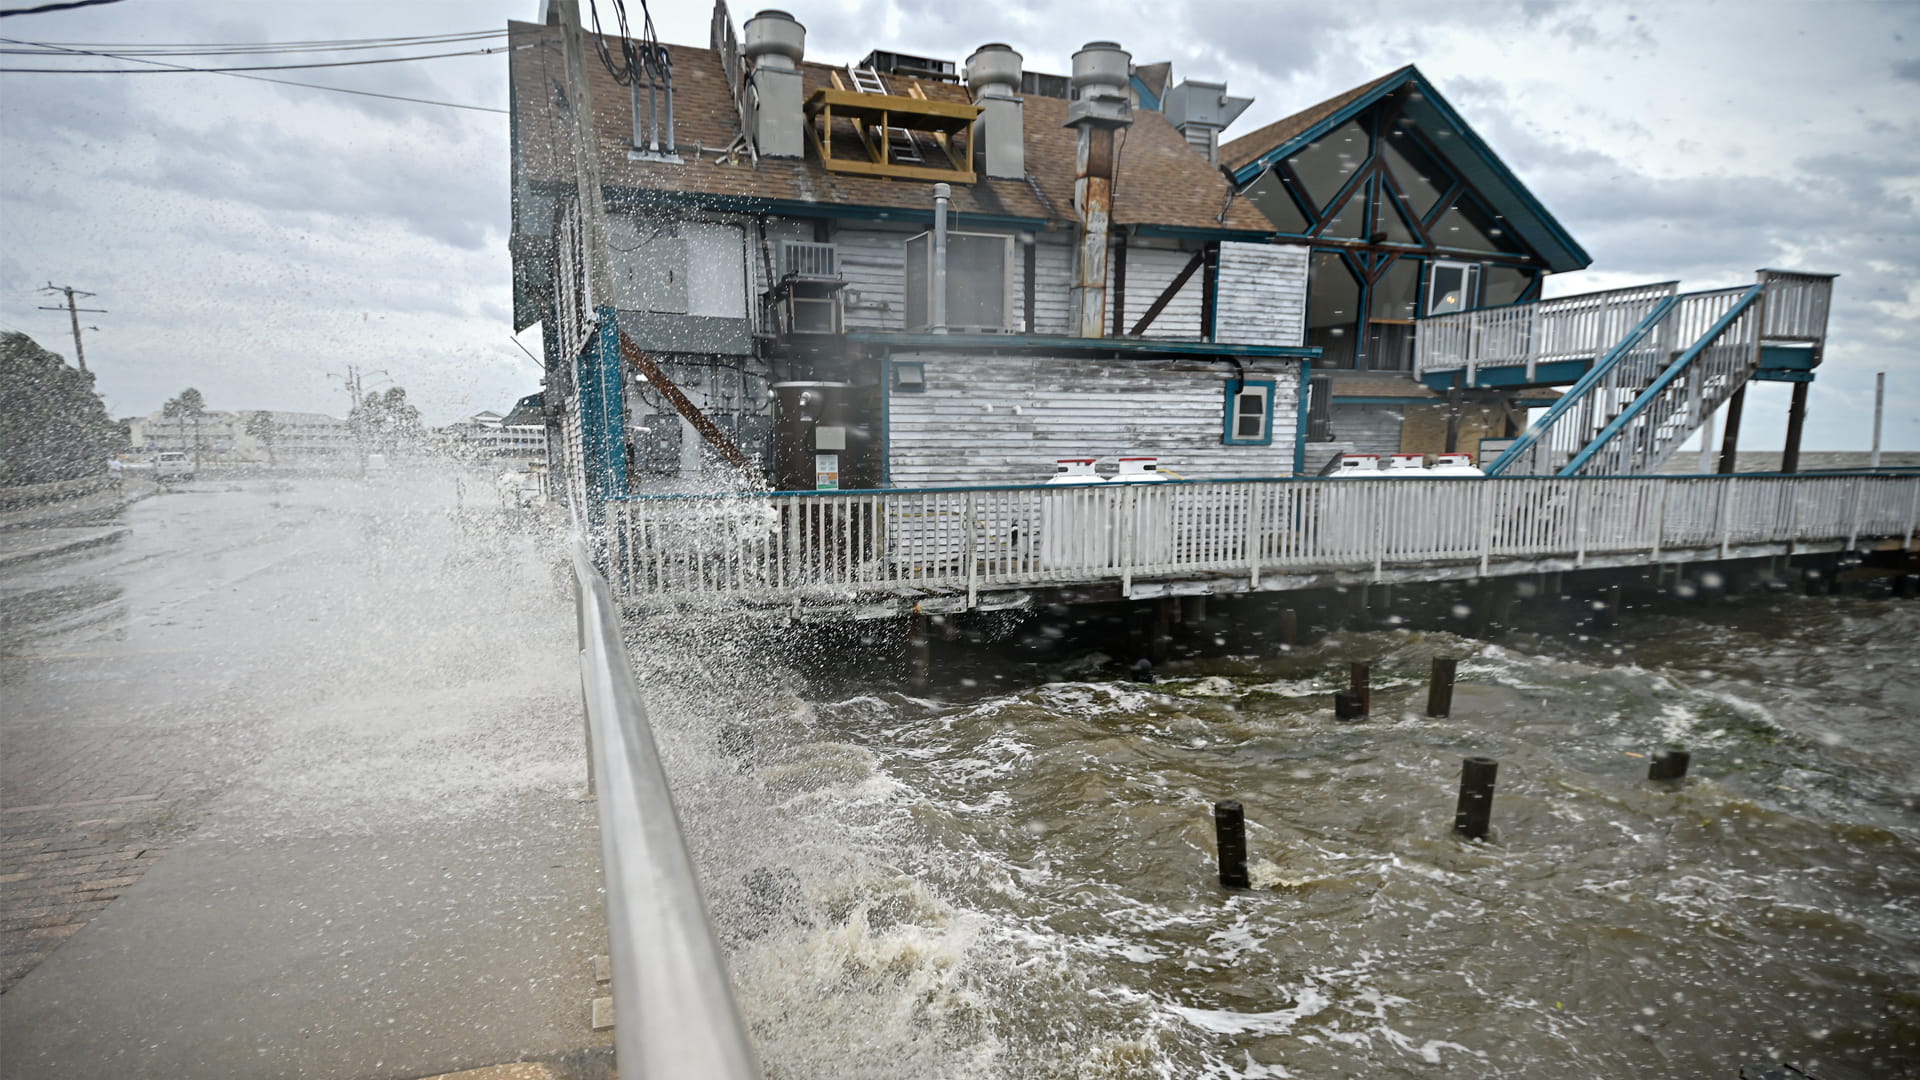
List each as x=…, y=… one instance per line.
x=1231, y=410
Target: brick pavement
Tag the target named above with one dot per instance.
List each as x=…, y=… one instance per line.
x=87, y=805
x=62, y=863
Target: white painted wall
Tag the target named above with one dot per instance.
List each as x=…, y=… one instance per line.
x=1004, y=419
x=1262, y=295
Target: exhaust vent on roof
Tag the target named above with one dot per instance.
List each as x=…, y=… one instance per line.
x=917, y=67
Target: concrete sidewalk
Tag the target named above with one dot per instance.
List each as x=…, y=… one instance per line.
x=383, y=956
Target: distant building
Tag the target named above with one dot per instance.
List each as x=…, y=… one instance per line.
x=223, y=436
x=488, y=435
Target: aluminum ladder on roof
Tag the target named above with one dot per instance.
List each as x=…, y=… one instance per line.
x=901, y=145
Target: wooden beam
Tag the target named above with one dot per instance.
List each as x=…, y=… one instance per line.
x=701, y=422
x=1166, y=295
x=898, y=172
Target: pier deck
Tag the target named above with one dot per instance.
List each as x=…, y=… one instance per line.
x=874, y=554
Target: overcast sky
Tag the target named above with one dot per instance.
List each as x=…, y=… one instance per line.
x=250, y=239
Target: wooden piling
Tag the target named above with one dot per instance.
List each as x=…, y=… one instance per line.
x=1165, y=610
x=1440, y=688
x=1361, y=678
x=1346, y=706
x=1289, y=627
x=919, y=655
x=1474, y=813
x=1670, y=765
x=1230, y=836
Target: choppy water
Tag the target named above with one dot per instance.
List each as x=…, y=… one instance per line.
x=1016, y=878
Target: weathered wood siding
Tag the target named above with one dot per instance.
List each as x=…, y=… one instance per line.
x=1263, y=295
x=1149, y=271
x=1052, y=282
x=873, y=264
x=987, y=419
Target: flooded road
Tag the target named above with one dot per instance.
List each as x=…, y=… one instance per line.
x=1014, y=876
x=293, y=786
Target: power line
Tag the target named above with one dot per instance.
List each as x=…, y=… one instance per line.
x=231, y=48
x=282, y=82
x=174, y=69
x=69, y=5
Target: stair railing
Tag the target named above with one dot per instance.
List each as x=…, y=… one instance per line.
x=1556, y=438
x=1723, y=325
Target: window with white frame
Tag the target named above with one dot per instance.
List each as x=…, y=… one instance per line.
x=1249, y=413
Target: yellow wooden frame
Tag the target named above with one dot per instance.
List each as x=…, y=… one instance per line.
x=870, y=113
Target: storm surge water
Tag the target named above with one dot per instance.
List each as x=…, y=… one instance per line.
x=1014, y=876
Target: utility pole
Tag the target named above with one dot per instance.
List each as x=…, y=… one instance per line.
x=352, y=382
x=73, y=313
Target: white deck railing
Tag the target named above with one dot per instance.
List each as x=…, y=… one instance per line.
x=970, y=540
x=1796, y=305
x=1580, y=327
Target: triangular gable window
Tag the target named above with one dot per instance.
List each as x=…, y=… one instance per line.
x=1466, y=227
x=1422, y=179
x=1351, y=224
x=1326, y=165
x=1271, y=195
x=1393, y=228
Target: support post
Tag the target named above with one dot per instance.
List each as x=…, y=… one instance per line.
x=1289, y=627
x=919, y=655
x=1440, y=687
x=1796, y=420
x=1164, y=610
x=1230, y=836
x=1475, y=810
x=1730, y=441
x=1362, y=684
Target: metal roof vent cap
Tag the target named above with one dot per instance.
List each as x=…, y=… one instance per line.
x=1102, y=69
x=775, y=39
x=994, y=71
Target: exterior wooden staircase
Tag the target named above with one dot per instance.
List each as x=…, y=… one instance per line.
x=1683, y=357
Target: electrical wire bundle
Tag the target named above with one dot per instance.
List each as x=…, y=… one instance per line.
x=150, y=54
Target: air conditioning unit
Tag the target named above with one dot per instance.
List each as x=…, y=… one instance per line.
x=979, y=282
x=803, y=312
x=806, y=259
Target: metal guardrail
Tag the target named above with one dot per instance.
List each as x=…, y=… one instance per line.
x=927, y=541
x=674, y=1011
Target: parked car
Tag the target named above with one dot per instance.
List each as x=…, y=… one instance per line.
x=172, y=465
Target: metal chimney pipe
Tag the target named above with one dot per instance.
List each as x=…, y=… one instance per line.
x=942, y=194
x=1100, y=73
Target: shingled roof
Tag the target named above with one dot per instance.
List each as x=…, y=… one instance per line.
x=1161, y=181
x=1246, y=148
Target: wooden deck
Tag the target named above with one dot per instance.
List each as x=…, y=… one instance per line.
x=879, y=553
